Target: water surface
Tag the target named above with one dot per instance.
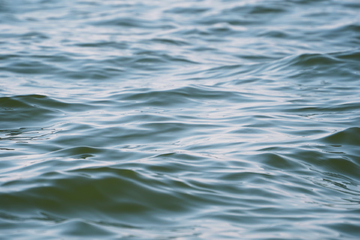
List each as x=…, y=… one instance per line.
x=195, y=119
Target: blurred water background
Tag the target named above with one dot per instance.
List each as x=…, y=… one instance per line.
x=192, y=119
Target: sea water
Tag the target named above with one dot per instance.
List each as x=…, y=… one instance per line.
x=192, y=119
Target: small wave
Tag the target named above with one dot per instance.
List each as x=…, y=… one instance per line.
x=271, y=160
x=17, y=112
x=184, y=94
x=349, y=136
x=131, y=22
x=95, y=190
x=29, y=67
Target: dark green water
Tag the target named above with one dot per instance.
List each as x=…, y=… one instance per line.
x=195, y=119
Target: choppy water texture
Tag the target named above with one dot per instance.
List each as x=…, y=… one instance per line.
x=195, y=119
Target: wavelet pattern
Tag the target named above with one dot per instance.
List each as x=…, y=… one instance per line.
x=212, y=119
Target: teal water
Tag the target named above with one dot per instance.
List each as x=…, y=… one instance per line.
x=195, y=119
